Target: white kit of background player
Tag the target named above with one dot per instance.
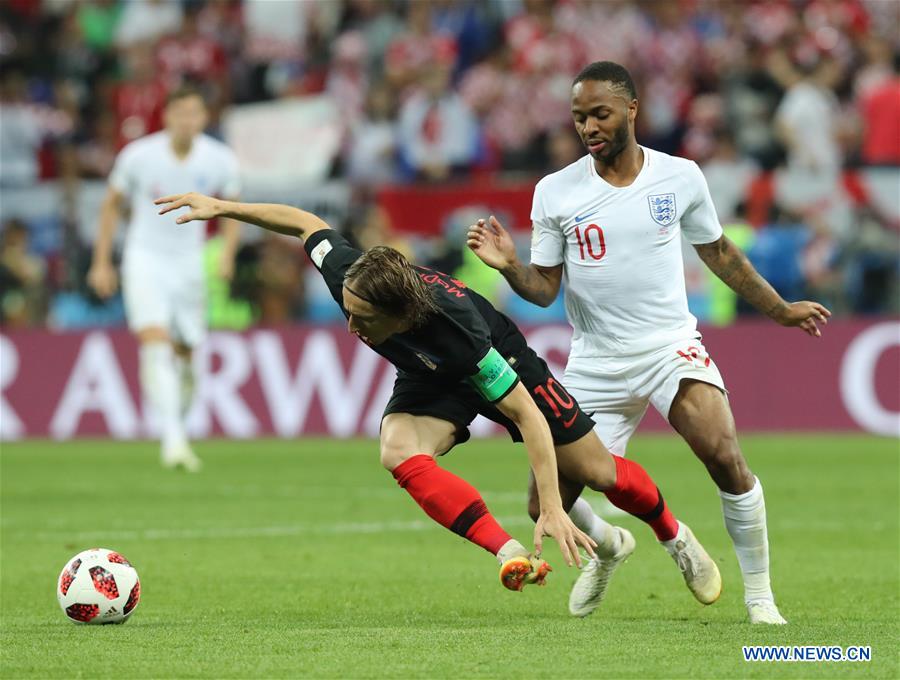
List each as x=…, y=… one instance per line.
x=163, y=281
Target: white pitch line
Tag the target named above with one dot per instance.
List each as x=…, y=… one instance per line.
x=254, y=532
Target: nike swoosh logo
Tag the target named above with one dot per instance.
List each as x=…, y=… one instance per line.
x=584, y=217
x=568, y=423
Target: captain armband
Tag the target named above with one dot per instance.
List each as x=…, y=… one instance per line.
x=495, y=378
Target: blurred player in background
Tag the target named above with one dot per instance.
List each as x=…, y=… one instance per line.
x=456, y=357
x=611, y=223
x=162, y=265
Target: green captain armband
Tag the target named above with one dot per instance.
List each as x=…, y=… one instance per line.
x=495, y=377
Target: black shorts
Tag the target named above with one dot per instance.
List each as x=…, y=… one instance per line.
x=459, y=403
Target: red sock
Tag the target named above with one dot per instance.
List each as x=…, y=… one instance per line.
x=450, y=501
x=636, y=494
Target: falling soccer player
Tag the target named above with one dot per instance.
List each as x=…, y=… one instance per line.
x=457, y=357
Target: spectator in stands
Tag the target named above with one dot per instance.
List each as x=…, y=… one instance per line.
x=281, y=292
x=275, y=35
x=438, y=135
x=75, y=57
x=562, y=147
x=729, y=176
x=547, y=56
x=189, y=55
x=22, y=293
x=373, y=227
x=348, y=77
x=808, y=123
x=370, y=155
x=20, y=132
x=143, y=21
x=96, y=151
x=704, y=118
x=379, y=26
x=412, y=55
x=139, y=98
x=470, y=25
x=671, y=58
x=501, y=99
x=622, y=25
x=751, y=95
x=97, y=21
x=222, y=21
x=879, y=107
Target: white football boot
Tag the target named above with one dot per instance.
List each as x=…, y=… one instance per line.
x=701, y=574
x=589, y=589
x=765, y=611
x=181, y=456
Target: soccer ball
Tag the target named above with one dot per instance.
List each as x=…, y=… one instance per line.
x=98, y=586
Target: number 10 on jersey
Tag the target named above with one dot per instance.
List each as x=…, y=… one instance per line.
x=592, y=239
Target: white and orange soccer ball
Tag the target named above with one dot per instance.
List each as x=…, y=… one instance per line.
x=98, y=586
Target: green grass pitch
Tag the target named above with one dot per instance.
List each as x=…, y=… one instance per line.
x=304, y=559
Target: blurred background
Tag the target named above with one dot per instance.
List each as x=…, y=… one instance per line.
x=402, y=122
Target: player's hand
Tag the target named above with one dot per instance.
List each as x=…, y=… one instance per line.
x=201, y=207
x=491, y=243
x=103, y=279
x=557, y=524
x=804, y=314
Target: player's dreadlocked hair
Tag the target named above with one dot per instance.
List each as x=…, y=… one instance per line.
x=385, y=279
x=612, y=73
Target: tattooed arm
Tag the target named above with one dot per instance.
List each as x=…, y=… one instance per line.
x=539, y=285
x=727, y=262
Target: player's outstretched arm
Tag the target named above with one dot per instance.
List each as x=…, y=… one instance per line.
x=283, y=219
x=519, y=407
x=494, y=246
x=729, y=263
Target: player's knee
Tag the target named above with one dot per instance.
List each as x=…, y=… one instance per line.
x=396, y=441
x=596, y=471
x=393, y=453
x=725, y=455
x=725, y=448
x=599, y=477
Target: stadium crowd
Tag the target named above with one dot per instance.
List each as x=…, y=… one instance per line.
x=789, y=106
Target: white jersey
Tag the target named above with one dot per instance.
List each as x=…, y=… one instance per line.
x=147, y=168
x=621, y=250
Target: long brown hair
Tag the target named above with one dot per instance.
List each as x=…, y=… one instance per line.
x=386, y=280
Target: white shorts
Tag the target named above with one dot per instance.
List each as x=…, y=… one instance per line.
x=166, y=293
x=615, y=392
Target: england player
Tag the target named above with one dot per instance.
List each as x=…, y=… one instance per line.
x=610, y=224
x=162, y=265
x=457, y=357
